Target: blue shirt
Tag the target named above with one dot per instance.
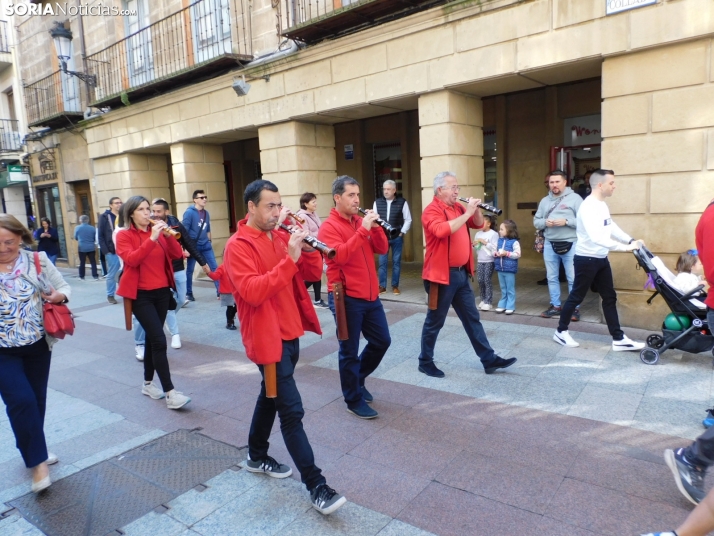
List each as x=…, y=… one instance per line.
x=85, y=234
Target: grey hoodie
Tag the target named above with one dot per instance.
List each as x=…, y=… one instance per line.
x=567, y=208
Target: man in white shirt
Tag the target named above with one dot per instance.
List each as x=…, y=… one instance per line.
x=597, y=236
x=395, y=211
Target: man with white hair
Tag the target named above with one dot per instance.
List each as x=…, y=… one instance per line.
x=448, y=264
x=394, y=210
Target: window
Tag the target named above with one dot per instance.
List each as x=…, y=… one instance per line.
x=211, y=29
x=139, y=51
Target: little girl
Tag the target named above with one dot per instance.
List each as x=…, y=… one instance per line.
x=689, y=271
x=506, y=263
x=225, y=289
x=485, y=243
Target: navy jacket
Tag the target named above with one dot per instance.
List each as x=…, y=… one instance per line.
x=107, y=222
x=198, y=230
x=49, y=245
x=186, y=243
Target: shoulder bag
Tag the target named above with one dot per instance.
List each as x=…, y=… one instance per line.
x=58, y=318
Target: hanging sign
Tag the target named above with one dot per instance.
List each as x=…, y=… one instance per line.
x=618, y=6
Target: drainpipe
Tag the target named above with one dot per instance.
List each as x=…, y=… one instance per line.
x=278, y=54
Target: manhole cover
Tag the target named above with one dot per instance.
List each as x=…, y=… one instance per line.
x=113, y=493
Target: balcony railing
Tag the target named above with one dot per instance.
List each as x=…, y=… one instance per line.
x=314, y=20
x=4, y=36
x=10, y=139
x=198, y=39
x=53, y=99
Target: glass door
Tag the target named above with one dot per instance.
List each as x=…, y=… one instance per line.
x=48, y=200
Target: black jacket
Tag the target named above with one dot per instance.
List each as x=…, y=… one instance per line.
x=107, y=222
x=186, y=242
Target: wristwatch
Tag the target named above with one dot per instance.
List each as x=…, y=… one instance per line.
x=631, y=240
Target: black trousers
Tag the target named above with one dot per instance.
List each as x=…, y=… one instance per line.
x=588, y=271
x=150, y=308
x=230, y=314
x=83, y=256
x=317, y=285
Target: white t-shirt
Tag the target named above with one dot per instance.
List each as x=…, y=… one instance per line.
x=597, y=233
x=485, y=252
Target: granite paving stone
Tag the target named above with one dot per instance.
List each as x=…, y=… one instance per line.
x=399, y=528
x=606, y=405
x=352, y=520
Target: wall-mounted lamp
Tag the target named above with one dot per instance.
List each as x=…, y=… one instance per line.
x=241, y=87
x=62, y=38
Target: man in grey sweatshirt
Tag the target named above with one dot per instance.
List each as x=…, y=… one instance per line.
x=557, y=215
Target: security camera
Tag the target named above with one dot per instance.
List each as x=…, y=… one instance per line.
x=241, y=87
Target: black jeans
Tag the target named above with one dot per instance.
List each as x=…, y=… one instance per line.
x=83, y=255
x=150, y=308
x=288, y=406
x=589, y=270
x=317, y=285
x=24, y=371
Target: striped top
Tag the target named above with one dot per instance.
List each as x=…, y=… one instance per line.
x=20, y=308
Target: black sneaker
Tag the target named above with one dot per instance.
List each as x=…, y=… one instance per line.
x=366, y=395
x=550, y=312
x=688, y=477
x=232, y=327
x=576, y=316
x=499, y=363
x=326, y=500
x=269, y=466
x=190, y=297
x=320, y=304
x=362, y=410
x=542, y=282
x=430, y=370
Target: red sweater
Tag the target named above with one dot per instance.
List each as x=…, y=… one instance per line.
x=353, y=265
x=142, y=265
x=437, y=232
x=273, y=303
x=224, y=283
x=704, y=234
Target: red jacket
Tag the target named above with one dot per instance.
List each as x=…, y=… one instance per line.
x=437, y=232
x=132, y=249
x=704, y=234
x=257, y=293
x=224, y=283
x=354, y=263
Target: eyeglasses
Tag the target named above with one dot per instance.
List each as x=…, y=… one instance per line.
x=201, y=197
x=453, y=188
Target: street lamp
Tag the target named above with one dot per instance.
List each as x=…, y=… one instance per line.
x=62, y=38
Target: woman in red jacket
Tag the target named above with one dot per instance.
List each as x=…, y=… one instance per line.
x=147, y=279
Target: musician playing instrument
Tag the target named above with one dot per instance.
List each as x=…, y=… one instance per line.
x=267, y=267
x=356, y=240
x=448, y=265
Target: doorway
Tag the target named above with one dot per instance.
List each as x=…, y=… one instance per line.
x=48, y=203
x=387, y=162
x=83, y=198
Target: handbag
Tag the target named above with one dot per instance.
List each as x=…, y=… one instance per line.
x=58, y=319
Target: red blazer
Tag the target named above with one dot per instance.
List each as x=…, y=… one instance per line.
x=133, y=252
x=437, y=233
x=704, y=234
x=354, y=263
x=224, y=283
x=257, y=293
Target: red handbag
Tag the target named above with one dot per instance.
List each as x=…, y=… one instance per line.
x=59, y=320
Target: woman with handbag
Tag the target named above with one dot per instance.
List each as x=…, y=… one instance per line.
x=48, y=240
x=25, y=345
x=147, y=280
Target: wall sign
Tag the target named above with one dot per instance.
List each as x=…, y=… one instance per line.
x=582, y=130
x=618, y=6
x=349, y=152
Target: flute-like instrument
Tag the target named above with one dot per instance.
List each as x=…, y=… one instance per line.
x=393, y=232
x=489, y=208
x=297, y=218
x=168, y=231
x=323, y=248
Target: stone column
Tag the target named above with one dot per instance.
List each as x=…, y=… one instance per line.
x=451, y=139
x=298, y=158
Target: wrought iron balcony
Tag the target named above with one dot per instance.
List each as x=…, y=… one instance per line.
x=313, y=20
x=54, y=100
x=196, y=41
x=10, y=139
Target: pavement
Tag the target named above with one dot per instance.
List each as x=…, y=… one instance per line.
x=565, y=442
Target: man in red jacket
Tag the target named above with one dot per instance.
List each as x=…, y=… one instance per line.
x=448, y=263
x=356, y=240
x=267, y=268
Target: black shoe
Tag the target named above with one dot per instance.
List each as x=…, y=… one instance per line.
x=542, y=282
x=232, y=327
x=688, y=477
x=366, y=395
x=430, y=370
x=363, y=411
x=326, y=500
x=190, y=297
x=551, y=312
x=499, y=363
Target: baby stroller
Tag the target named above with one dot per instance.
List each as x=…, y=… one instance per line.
x=689, y=313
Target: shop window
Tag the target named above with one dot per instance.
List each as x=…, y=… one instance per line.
x=387, y=165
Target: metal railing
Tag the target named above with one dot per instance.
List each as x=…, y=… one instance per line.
x=10, y=139
x=52, y=96
x=296, y=12
x=4, y=36
x=178, y=43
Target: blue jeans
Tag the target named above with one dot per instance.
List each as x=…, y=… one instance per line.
x=396, y=244
x=171, y=322
x=23, y=387
x=552, y=269
x=113, y=267
x=507, y=282
x=288, y=406
x=52, y=258
x=368, y=318
x=191, y=265
x=459, y=294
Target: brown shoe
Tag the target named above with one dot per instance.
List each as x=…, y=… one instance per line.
x=396, y=291
x=111, y=300
x=382, y=290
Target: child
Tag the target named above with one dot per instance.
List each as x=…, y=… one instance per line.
x=225, y=289
x=485, y=243
x=508, y=251
x=689, y=271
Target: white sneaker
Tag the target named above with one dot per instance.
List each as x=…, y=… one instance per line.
x=52, y=458
x=480, y=305
x=176, y=400
x=139, y=352
x=627, y=345
x=486, y=307
x=499, y=310
x=151, y=390
x=509, y=311
x=564, y=338
x=176, y=341
x=185, y=303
